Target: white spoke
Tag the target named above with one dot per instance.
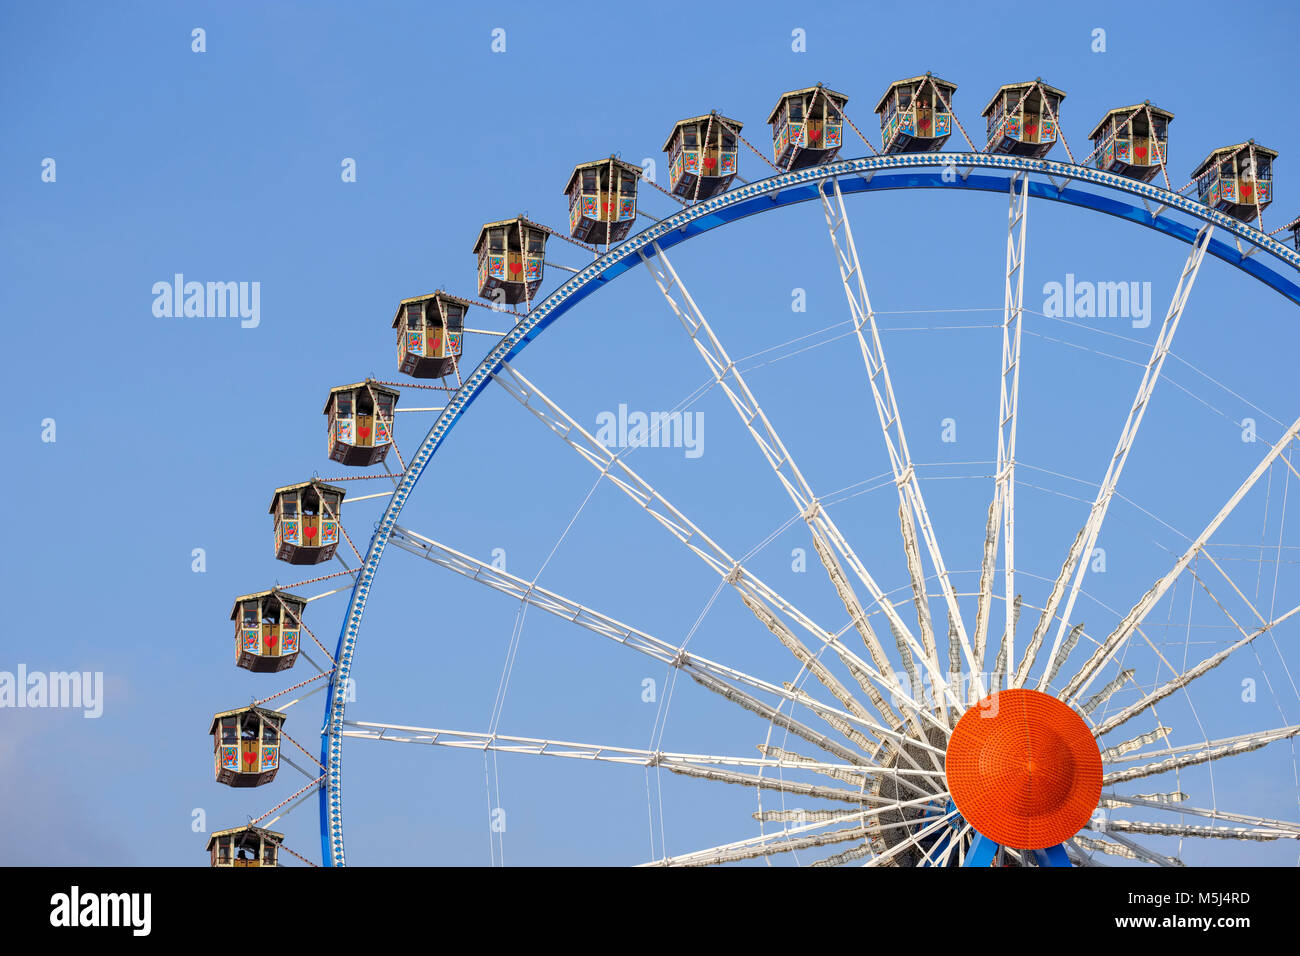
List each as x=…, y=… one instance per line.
x=1000, y=667
x=1160, y=799
x=816, y=820
x=1066, y=650
x=987, y=568
x=696, y=764
x=1105, y=694
x=1199, y=753
x=1002, y=512
x=1259, y=834
x=911, y=840
x=1113, y=754
x=814, y=790
x=908, y=779
x=1124, y=630
x=912, y=504
x=650, y=500
x=1135, y=851
x=854, y=853
x=1185, y=678
x=789, y=758
x=787, y=844
x=1076, y=561
x=538, y=597
x=729, y=378
x=954, y=845
x=1289, y=828
x=810, y=662
x=806, y=816
x=1103, y=846
x=784, y=721
x=709, y=674
x=1076, y=852
x=1112, y=849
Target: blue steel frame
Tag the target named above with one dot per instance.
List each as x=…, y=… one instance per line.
x=1126, y=199
x=983, y=851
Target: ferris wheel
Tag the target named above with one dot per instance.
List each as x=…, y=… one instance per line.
x=932, y=727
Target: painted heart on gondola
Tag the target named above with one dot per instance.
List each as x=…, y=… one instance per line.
x=363, y=431
x=309, y=533
x=516, y=267
x=709, y=162
x=814, y=134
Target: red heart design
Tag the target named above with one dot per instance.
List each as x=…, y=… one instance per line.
x=309, y=533
x=516, y=267
x=1141, y=152
x=709, y=162
x=250, y=756
x=363, y=431
x=814, y=134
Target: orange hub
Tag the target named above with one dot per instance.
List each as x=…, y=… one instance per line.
x=1023, y=769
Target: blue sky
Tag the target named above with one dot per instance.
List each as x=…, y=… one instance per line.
x=172, y=432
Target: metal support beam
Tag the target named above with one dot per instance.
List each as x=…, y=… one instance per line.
x=732, y=382
x=1124, y=630
x=1076, y=561
x=1003, y=509
x=911, y=501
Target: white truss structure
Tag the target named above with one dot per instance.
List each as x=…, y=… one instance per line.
x=878, y=773
x=538, y=747
x=922, y=785
x=1186, y=677
x=728, y=377
x=761, y=600
x=1193, y=754
x=1002, y=512
x=719, y=678
x=1076, y=561
x=1084, y=677
x=911, y=501
x=1259, y=834
x=872, y=734
x=1288, y=829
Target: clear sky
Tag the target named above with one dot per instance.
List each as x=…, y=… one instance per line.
x=172, y=432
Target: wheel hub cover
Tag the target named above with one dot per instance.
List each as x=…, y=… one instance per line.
x=1023, y=769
